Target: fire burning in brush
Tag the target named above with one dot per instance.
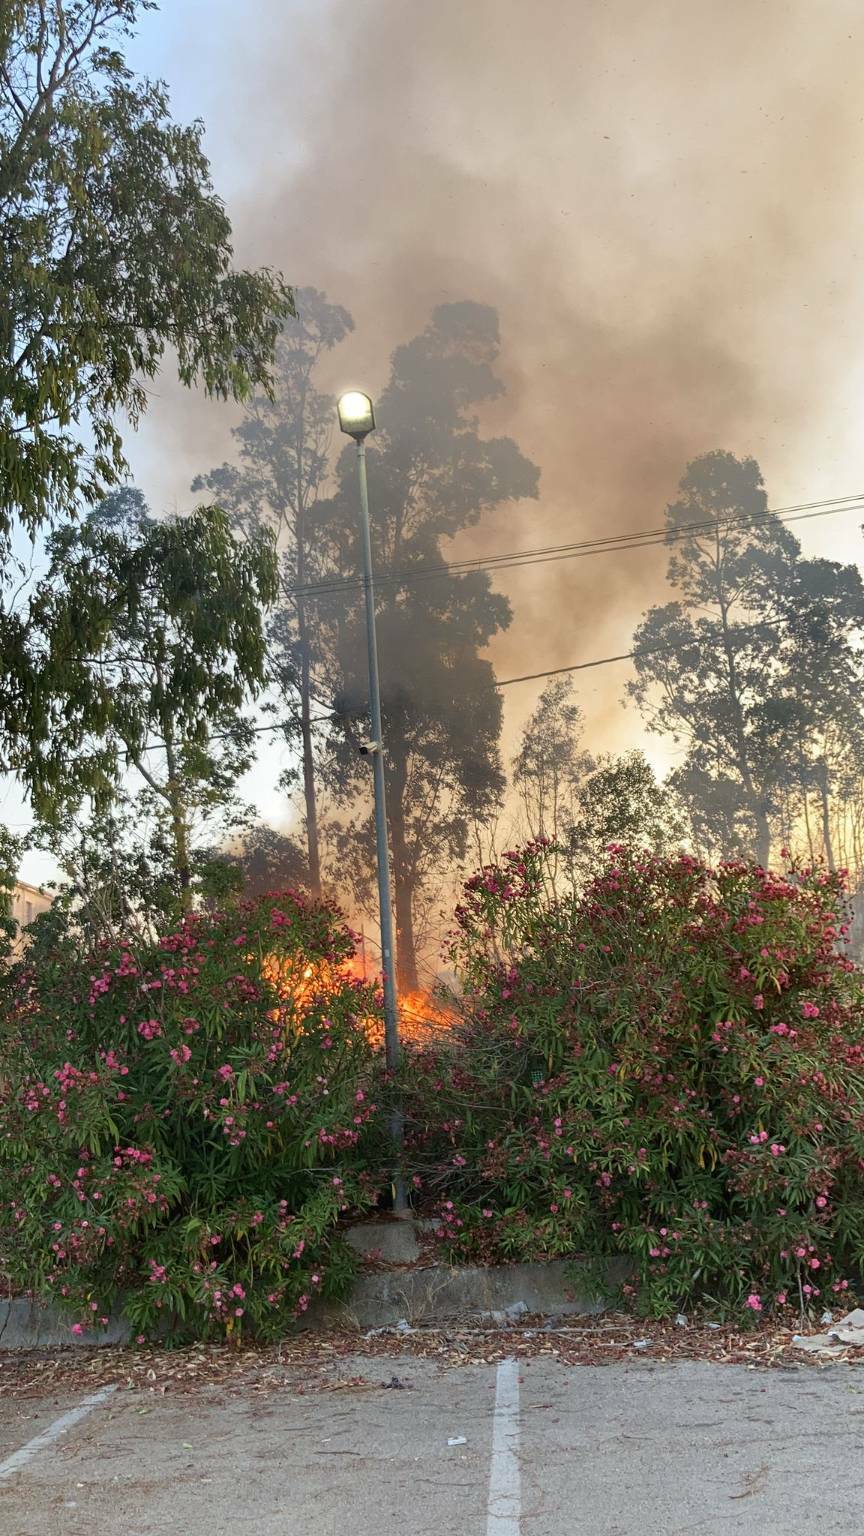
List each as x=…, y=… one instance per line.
x=422, y=1016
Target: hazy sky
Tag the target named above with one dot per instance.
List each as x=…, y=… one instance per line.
x=663, y=201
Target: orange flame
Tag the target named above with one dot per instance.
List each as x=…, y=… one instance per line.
x=421, y=1015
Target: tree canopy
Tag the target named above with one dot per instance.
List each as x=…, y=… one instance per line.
x=114, y=248
x=148, y=641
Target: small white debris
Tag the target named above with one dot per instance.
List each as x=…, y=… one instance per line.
x=681, y=1320
x=849, y=1330
x=457, y=1440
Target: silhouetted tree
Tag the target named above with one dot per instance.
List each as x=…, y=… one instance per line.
x=551, y=764
x=432, y=474
x=756, y=666
x=284, y=443
x=706, y=663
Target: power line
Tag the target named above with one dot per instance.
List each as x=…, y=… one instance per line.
x=795, y=513
x=605, y=661
x=255, y=730
x=611, y=543
x=578, y=666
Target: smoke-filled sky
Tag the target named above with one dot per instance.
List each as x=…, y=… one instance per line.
x=664, y=201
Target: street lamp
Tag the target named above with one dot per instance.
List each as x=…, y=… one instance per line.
x=357, y=419
x=356, y=414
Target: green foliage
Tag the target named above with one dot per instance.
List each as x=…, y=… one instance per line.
x=11, y=849
x=184, y=1121
x=622, y=801
x=668, y=1068
x=113, y=249
x=582, y=804
x=150, y=640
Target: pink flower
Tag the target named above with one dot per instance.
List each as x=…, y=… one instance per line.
x=754, y=1302
x=77, y=1328
x=181, y=1054
x=225, y=1072
x=759, y=1001
x=809, y=1010
x=150, y=1028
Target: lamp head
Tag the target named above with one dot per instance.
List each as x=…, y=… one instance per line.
x=356, y=414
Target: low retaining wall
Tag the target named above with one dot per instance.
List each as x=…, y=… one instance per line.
x=437, y=1294
x=27, y=1325
x=441, y=1294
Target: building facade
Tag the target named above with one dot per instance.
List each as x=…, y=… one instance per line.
x=27, y=902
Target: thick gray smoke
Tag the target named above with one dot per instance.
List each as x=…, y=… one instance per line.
x=663, y=202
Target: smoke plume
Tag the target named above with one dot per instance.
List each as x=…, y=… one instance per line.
x=663, y=203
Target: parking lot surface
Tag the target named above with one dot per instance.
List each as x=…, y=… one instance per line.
x=527, y=1448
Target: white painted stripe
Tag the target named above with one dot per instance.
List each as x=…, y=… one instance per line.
x=39, y=1443
x=505, y=1482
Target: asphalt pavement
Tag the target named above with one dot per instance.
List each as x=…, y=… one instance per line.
x=534, y=1448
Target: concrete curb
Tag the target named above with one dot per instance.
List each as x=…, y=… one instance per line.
x=441, y=1294
x=27, y=1324
x=435, y=1295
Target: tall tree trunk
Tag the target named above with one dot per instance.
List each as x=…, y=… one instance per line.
x=805, y=802
x=822, y=782
x=763, y=836
x=403, y=884
x=309, y=796
x=754, y=796
x=807, y=827
x=179, y=825
x=313, y=854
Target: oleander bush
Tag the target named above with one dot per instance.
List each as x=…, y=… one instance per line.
x=184, y=1121
x=668, y=1066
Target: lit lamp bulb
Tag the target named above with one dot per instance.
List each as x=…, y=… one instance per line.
x=356, y=415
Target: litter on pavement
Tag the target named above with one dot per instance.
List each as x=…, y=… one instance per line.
x=839, y=1336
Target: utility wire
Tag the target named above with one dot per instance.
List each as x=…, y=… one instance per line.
x=591, y=546
x=611, y=543
x=527, y=677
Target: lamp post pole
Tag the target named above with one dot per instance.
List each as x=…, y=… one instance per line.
x=357, y=419
x=388, y=959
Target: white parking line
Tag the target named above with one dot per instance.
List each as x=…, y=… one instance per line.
x=505, y=1483
x=20, y=1458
